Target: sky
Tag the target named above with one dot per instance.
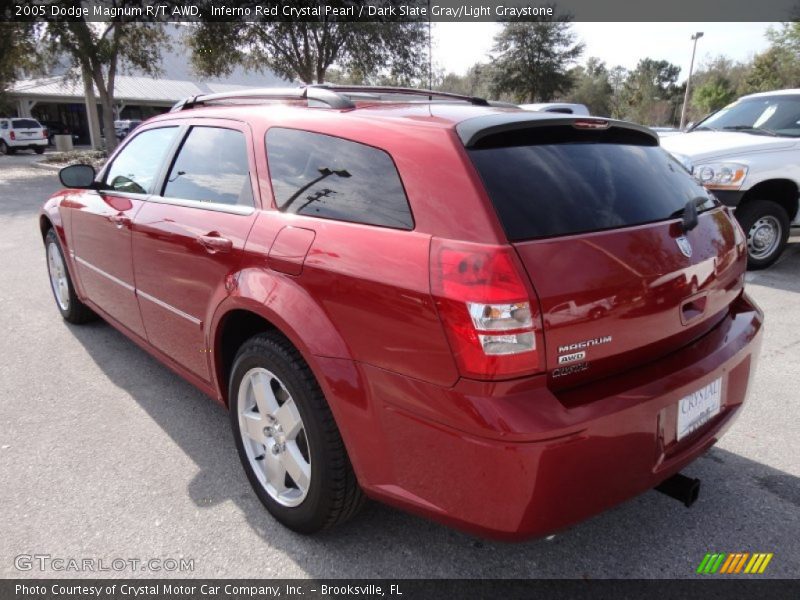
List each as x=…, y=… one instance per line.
x=457, y=46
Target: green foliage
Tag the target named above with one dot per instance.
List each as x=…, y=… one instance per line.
x=476, y=82
x=531, y=59
x=18, y=56
x=650, y=93
x=714, y=94
x=375, y=52
x=100, y=50
x=592, y=87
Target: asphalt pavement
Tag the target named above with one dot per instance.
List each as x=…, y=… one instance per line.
x=105, y=454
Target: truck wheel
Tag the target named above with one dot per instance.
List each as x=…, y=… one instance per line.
x=766, y=226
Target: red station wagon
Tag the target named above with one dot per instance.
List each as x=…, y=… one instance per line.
x=502, y=320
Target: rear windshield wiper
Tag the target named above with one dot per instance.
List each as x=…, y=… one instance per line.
x=750, y=129
x=689, y=214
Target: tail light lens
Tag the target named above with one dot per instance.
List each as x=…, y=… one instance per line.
x=12, y=136
x=490, y=317
x=44, y=133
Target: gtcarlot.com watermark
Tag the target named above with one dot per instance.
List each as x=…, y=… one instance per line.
x=48, y=562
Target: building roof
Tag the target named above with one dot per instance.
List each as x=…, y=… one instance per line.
x=126, y=88
x=178, y=82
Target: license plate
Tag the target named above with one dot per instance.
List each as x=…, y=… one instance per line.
x=696, y=409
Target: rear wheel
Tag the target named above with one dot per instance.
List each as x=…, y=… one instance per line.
x=70, y=307
x=39, y=150
x=5, y=148
x=287, y=439
x=766, y=227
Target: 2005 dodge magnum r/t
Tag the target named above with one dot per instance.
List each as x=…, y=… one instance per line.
x=503, y=320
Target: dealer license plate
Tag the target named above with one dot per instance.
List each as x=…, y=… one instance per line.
x=696, y=409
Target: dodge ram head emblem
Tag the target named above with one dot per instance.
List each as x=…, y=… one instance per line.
x=684, y=245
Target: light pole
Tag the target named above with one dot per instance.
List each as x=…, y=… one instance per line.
x=695, y=37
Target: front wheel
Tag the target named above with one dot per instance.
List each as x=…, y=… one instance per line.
x=287, y=439
x=71, y=308
x=766, y=226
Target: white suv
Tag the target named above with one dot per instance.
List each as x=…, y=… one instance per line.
x=748, y=154
x=20, y=133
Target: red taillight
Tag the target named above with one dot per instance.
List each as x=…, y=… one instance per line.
x=12, y=135
x=591, y=124
x=44, y=133
x=491, y=320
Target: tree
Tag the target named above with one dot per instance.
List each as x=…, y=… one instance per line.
x=713, y=95
x=592, y=87
x=616, y=79
x=779, y=66
x=532, y=59
x=476, y=82
x=100, y=50
x=305, y=50
x=18, y=54
x=651, y=95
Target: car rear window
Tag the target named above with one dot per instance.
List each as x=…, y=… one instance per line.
x=562, y=188
x=24, y=124
x=333, y=178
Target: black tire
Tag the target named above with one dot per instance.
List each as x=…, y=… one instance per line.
x=76, y=311
x=6, y=149
x=39, y=150
x=749, y=215
x=334, y=495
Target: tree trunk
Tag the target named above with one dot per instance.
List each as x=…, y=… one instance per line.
x=107, y=102
x=91, y=110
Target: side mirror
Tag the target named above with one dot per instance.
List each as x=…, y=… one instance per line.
x=77, y=176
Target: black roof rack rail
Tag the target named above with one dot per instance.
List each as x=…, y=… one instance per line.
x=378, y=91
x=335, y=96
x=318, y=94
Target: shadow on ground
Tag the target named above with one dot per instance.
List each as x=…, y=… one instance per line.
x=649, y=536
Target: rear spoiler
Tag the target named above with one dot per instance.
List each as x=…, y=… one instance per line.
x=473, y=131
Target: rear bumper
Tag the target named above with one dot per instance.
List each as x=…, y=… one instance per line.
x=512, y=460
x=22, y=144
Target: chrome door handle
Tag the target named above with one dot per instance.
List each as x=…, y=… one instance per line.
x=214, y=243
x=120, y=220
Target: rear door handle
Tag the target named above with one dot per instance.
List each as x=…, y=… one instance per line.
x=213, y=242
x=120, y=220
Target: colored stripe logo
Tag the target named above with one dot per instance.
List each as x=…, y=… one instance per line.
x=734, y=563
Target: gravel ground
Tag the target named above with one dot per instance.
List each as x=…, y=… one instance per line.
x=106, y=454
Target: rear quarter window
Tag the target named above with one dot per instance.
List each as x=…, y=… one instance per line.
x=558, y=189
x=333, y=178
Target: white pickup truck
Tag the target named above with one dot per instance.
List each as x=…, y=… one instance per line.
x=748, y=155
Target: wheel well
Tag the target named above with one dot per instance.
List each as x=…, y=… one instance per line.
x=237, y=327
x=44, y=225
x=781, y=191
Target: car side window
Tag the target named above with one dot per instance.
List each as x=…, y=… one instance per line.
x=136, y=167
x=211, y=166
x=3, y=124
x=333, y=178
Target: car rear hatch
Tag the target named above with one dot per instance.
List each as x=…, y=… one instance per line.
x=602, y=221
x=26, y=129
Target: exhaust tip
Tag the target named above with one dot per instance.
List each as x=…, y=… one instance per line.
x=681, y=488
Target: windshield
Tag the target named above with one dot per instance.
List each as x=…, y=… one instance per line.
x=769, y=115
